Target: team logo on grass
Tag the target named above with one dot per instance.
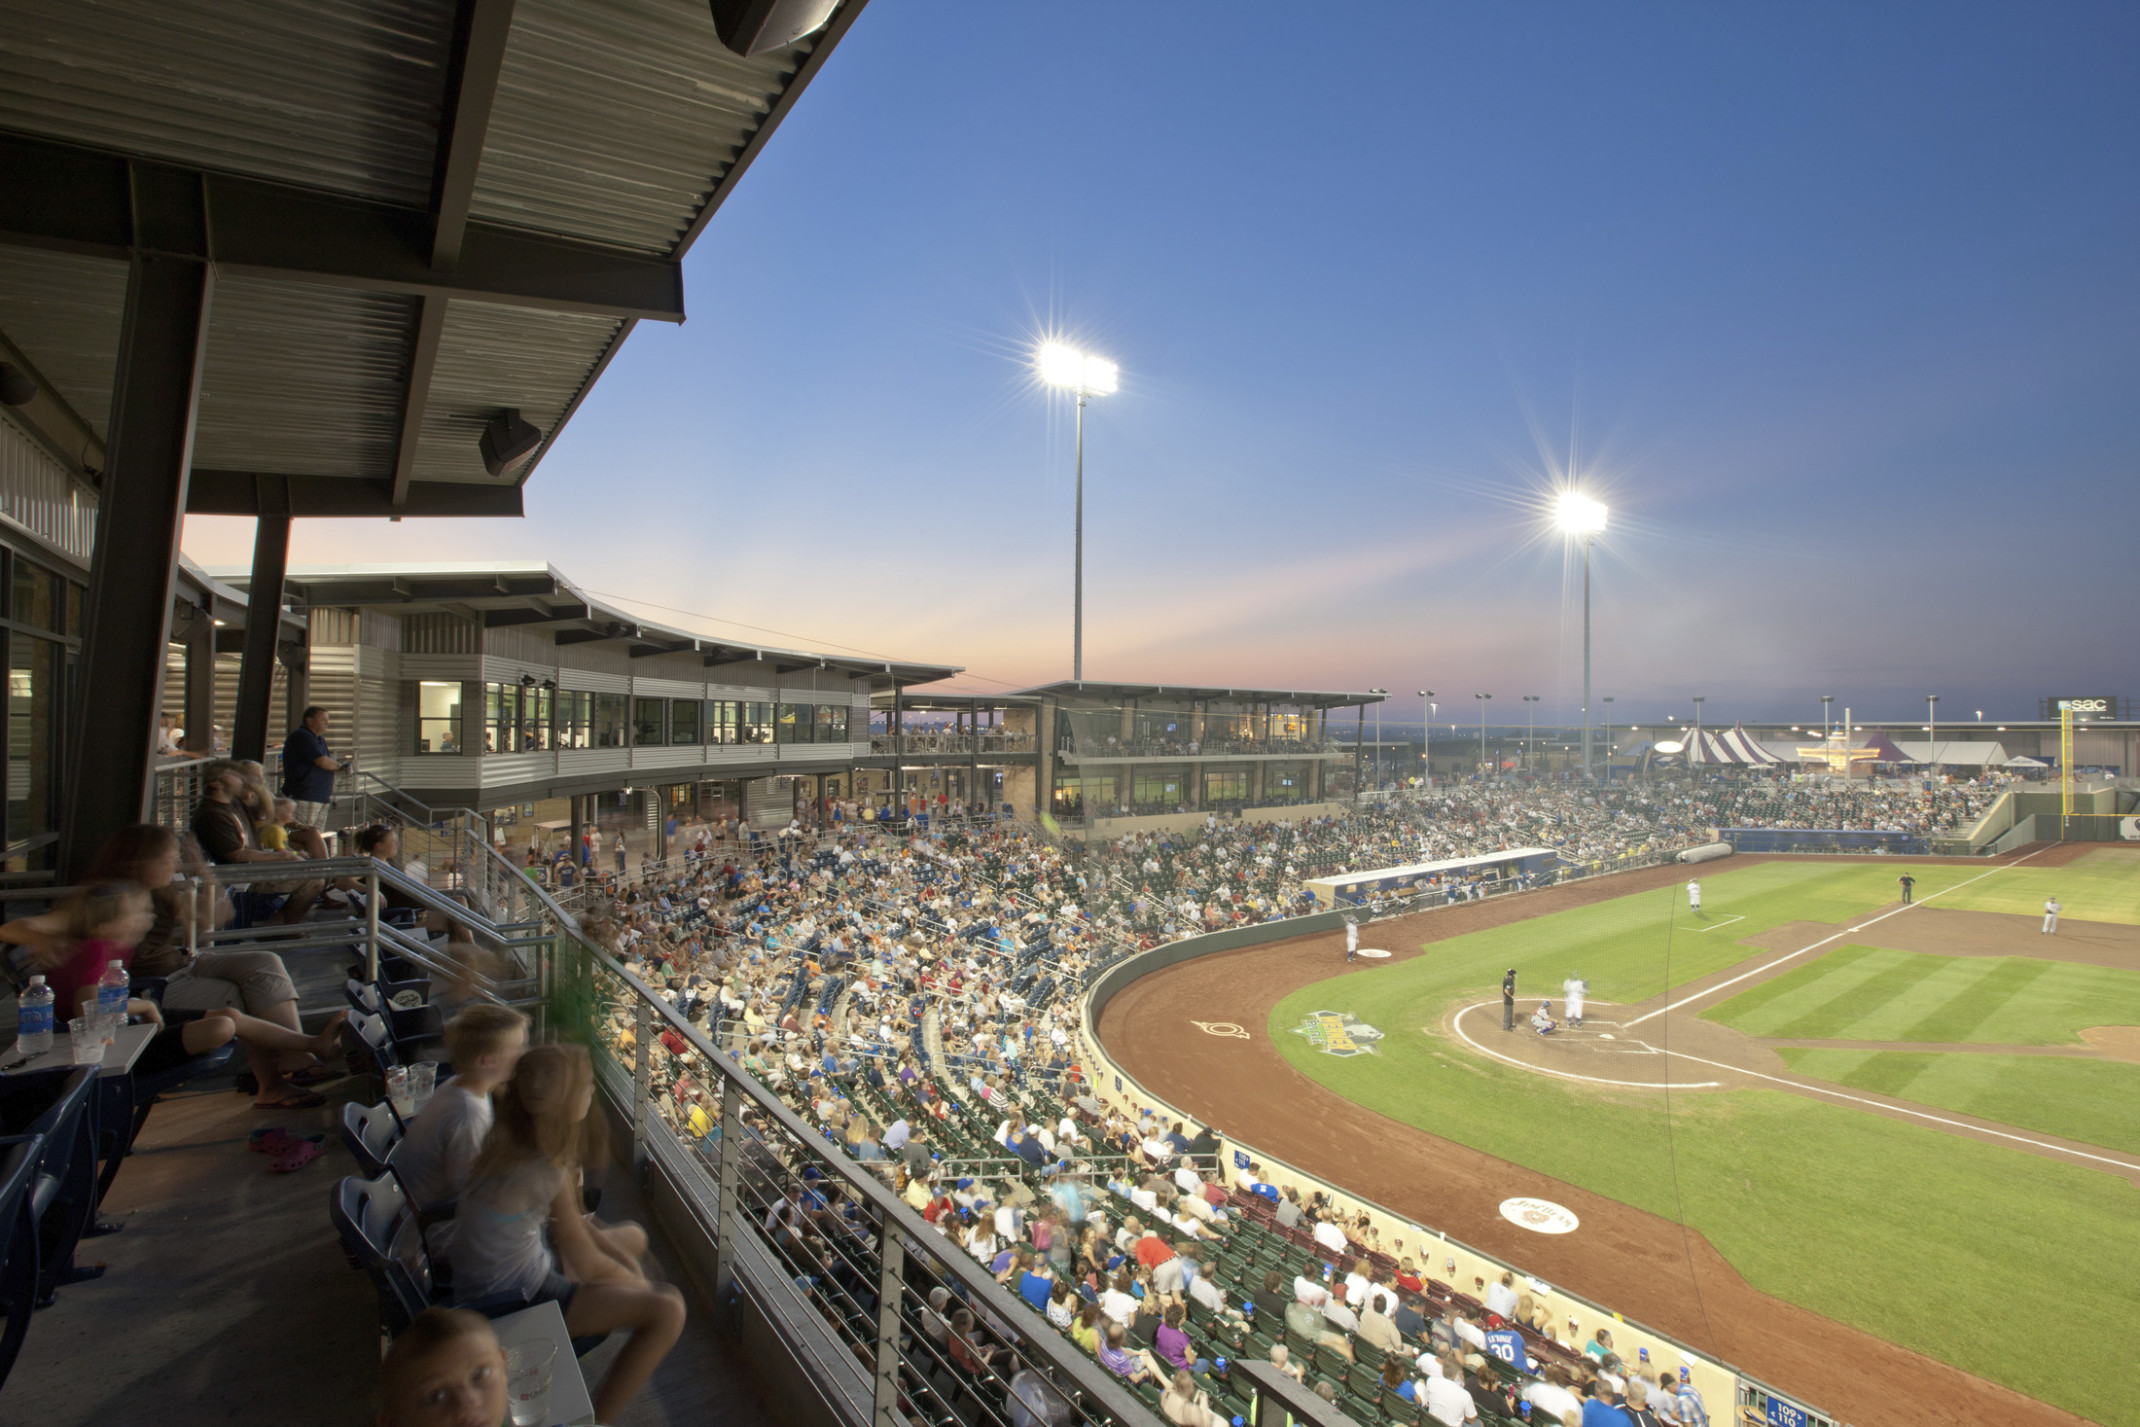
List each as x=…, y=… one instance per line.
x=1339, y=1033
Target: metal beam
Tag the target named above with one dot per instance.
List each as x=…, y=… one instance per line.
x=596, y=636
x=263, y=620
x=641, y=651
x=480, y=31
x=163, y=342
x=77, y=200
x=555, y=614
x=240, y=493
x=416, y=393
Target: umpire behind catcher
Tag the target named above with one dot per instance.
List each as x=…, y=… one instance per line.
x=1508, y=1000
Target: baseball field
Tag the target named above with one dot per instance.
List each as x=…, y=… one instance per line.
x=1922, y=1122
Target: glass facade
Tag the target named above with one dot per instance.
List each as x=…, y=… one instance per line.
x=42, y=625
x=683, y=720
x=1226, y=785
x=811, y=723
x=650, y=722
x=517, y=718
x=1156, y=790
x=1285, y=782
x=575, y=719
x=609, y=718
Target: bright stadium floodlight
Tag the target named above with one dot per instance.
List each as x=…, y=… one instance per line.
x=1065, y=366
x=1578, y=514
x=1062, y=365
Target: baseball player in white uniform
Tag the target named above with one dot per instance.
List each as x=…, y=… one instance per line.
x=1572, y=992
x=1694, y=897
x=2051, y=909
x=1352, y=940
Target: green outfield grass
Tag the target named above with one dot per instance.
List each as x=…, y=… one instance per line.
x=1864, y=993
x=2094, y=1101
x=1935, y=1242
x=2100, y=886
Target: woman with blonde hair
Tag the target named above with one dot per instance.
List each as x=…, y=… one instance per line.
x=525, y=1185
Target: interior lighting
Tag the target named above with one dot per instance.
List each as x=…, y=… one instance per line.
x=1065, y=366
x=507, y=441
x=16, y=388
x=1579, y=514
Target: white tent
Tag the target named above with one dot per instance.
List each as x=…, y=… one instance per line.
x=1733, y=747
x=1949, y=754
x=2025, y=762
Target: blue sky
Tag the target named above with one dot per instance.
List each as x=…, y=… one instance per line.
x=1838, y=305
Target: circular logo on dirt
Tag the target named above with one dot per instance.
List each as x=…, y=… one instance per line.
x=1339, y=1033
x=1541, y=1216
x=1370, y=954
x=1228, y=1029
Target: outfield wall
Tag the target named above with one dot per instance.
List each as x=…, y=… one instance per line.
x=1724, y=1388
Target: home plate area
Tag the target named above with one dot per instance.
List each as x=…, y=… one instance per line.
x=1599, y=1051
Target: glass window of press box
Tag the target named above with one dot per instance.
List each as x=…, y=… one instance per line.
x=683, y=720
x=575, y=719
x=43, y=632
x=650, y=722
x=1226, y=785
x=438, y=716
x=516, y=718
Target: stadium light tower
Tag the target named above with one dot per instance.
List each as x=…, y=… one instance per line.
x=1088, y=376
x=1581, y=515
x=1826, y=710
x=1482, y=734
x=1385, y=693
x=1426, y=736
x=1932, y=729
x=1608, y=737
x=1530, y=740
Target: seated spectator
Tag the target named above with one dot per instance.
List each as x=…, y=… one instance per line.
x=1550, y=1395
x=226, y=835
x=972, y=1357
x=435, y=1156
x=1282, y=1359
x=1378, y=1330
x=1133, y=1366
x=1446, y=1400
x=104, y=923
x=445, y=1370
x=1187, y=1405
x=1171, y=1342
x=1501, y=1297
x=526, y=1182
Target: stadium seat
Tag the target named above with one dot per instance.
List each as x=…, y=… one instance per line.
x=19, y=1156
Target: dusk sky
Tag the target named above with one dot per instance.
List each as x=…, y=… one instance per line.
x=1837, y=305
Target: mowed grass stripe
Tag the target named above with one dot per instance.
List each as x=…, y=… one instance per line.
x=1998, y=985
x=2096, y=1102
x=1988, y=1000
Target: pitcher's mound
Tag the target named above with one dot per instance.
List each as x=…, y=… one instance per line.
x=2114, y=1042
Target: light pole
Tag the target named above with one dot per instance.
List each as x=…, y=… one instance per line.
x=1482, y=698
x=1825, y=701
x=1932, y=730
x=1530, y=741
x=1426, y=737
x=1698, y=700
x=1088, y=376
x=1608, y=737
x=1579, y=514
x=1378, y=735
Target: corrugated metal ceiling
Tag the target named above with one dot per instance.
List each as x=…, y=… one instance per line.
x=64, y=312
x=302, y=380
x=336, y=94
x=490, y=357
x=614, y=121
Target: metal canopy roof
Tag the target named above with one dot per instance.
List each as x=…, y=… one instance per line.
x=420, y=213
x=1314, y=698
x=507, y=594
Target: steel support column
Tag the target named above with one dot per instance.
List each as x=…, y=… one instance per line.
x=263, y=620
x=200, y=686
x=163, y=338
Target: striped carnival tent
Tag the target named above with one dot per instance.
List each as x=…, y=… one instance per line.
x=1734, y=747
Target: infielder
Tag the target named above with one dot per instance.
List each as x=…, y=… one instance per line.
x=1694, y=897
x=2051, y=909
x=1352, y=941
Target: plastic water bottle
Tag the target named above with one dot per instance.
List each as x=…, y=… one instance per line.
x=33, y=1021
x=111, y=990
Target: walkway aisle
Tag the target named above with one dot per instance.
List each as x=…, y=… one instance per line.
x=228, y=1299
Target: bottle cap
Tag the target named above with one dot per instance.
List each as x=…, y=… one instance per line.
x=118, y=963
x=37, y=980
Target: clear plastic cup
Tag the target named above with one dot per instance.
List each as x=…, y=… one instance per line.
x=399, y=1091
x=423, y=1080
x=86, y=1035
x=527, y=1382
x=109, y=1024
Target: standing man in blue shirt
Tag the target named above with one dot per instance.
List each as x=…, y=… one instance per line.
x=308, y=768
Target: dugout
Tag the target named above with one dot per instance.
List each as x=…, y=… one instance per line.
x=1351, y=889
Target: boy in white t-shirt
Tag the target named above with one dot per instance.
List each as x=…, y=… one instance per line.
x=436, y=1155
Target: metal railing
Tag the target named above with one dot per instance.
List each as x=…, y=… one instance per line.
x=1197, y=748
x=897, y=744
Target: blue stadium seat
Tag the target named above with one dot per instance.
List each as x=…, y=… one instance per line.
x=19, y=1157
